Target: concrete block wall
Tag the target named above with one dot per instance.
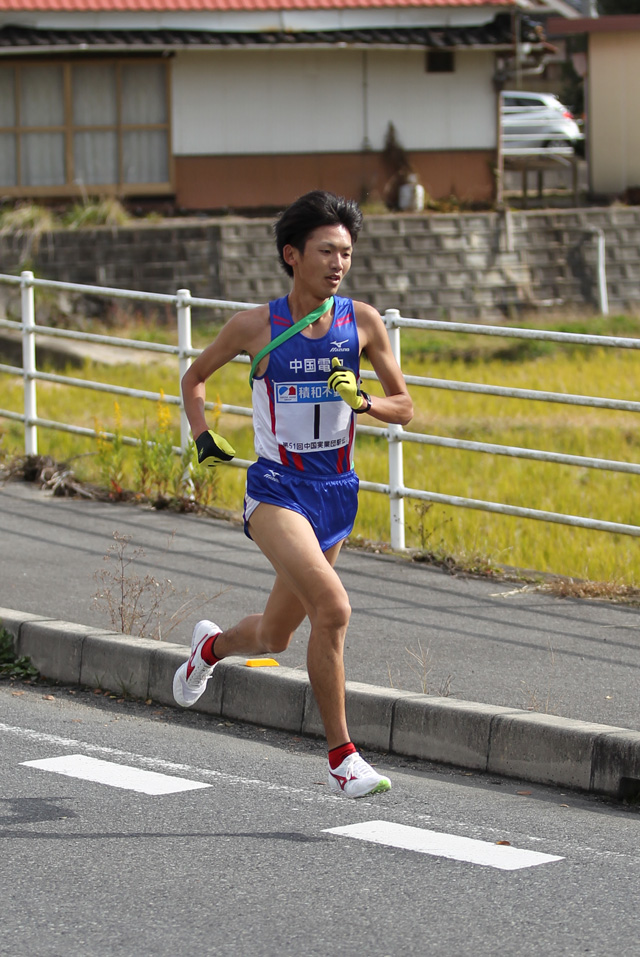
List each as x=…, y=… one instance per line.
x=457, y=266
x=438, y=267
x=562, y=256
x=159, y=258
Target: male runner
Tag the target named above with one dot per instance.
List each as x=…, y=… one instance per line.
x=301, y=498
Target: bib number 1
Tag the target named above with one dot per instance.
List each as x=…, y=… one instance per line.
x=310, y=416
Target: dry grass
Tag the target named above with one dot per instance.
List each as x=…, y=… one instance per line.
x=137, y=604
x=598, y=591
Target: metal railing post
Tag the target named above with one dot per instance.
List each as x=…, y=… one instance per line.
x=184, y=360
x=396, y=472
x=27, y=304
x=603, y=298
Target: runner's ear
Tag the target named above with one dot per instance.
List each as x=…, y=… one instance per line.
x=290, y=255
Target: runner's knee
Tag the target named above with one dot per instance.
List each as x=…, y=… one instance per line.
x=333, y=612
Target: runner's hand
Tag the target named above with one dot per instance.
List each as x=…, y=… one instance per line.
x=213, y=449
x=344, y=382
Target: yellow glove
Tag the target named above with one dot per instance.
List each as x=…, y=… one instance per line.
x=344, y=382
x=213, y=449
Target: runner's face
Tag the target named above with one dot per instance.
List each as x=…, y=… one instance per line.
x=325, y=260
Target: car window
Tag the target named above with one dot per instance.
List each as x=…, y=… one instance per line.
x=513, y=101
x=531, y=101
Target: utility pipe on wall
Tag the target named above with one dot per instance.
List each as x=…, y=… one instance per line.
x=603, y=299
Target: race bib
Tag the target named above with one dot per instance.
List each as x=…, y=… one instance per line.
x=310, y=416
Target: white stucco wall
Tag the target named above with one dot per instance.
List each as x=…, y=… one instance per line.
x=613, y=111
x=299, y=101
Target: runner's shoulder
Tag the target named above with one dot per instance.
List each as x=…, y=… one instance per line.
x=254, y=318
x=250, y=323
x=250, y=327
x=365, y=312
x=368, y=320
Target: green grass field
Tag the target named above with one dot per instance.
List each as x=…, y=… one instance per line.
x=473, y=538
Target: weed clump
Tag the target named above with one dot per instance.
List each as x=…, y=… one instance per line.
x=12, y=665
x=105, y=212
x=137, y=604
x=162, y=476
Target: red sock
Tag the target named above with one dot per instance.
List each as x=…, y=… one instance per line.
x=337, y=755
x=207, y=651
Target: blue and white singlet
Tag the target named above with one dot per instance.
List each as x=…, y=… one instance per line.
x=298, y=421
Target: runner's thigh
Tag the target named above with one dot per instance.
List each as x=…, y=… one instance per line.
x=287, y=539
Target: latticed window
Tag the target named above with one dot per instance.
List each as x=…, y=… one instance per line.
x=94, y=125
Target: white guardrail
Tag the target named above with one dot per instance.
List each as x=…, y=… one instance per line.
x=395, y=434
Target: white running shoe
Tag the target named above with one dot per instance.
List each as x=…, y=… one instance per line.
x=191, y=678
x=355, y=778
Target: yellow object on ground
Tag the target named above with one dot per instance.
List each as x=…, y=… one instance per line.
x=261, y=663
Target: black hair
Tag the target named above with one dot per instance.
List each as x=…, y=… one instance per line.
x=314, y=209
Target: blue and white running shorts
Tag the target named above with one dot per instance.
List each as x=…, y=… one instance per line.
x=328, y=502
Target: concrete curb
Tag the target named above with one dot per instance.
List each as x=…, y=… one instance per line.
x=534, y=747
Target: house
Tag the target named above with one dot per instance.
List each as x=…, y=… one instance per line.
x=612, y=103
x=244, y=104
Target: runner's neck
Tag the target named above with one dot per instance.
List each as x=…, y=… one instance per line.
x=304, y=306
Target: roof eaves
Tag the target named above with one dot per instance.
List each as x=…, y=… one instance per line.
x=24, y=40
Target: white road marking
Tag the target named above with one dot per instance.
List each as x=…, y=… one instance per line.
x=115, y=775
x=505, y=858
x=170, y=766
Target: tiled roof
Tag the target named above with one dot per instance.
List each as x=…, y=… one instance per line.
x=224, y=6
x=495, y=34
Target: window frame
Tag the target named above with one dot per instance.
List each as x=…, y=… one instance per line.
x=70, y=187
x=440, y=62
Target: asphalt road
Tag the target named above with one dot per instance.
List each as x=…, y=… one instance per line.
x=413, y=627
x=248, y=861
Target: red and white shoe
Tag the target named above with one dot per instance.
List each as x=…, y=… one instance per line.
x=190, y=680
x=354, y=778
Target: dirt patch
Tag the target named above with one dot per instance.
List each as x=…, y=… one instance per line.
x=62, y=353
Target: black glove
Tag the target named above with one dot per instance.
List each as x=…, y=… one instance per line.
x=213, y=449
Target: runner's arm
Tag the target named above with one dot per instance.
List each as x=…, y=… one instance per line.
x=242, y=333
x=396, y=405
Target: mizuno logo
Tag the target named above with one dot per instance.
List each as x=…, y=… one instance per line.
x=341, y=780
x=191, y=661
x=272, y=475
x=338, y=343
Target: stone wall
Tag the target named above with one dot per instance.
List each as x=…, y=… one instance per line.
x=467, y=266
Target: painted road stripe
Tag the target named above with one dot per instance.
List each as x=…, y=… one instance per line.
x=505, y=858
x=224, y=777
x=115, y=775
